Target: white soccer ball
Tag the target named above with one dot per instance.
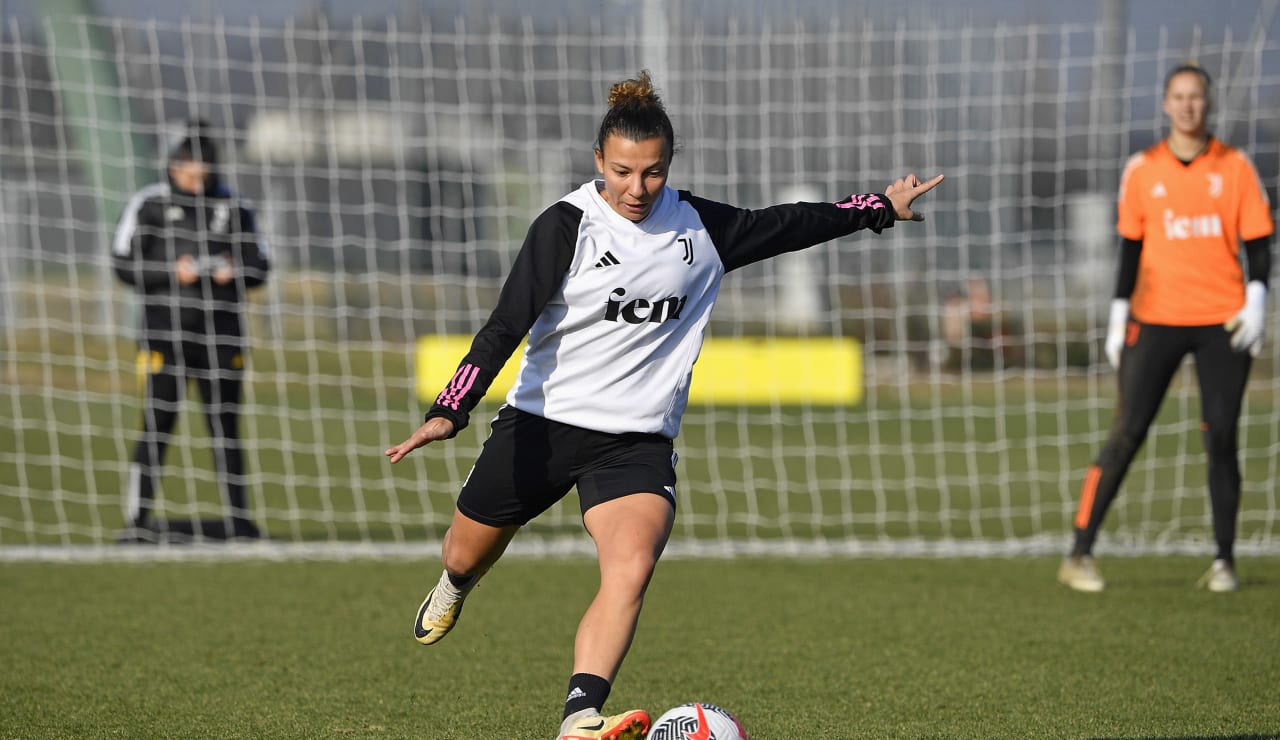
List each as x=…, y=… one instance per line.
x=697, y=721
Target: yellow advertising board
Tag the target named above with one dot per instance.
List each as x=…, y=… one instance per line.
x=785, y=370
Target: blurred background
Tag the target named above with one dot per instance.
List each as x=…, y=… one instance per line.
x=396, y=152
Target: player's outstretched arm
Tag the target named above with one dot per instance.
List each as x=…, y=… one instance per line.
x=904, y=192
x=435, y=428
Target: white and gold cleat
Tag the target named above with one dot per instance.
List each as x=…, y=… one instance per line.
x=440, y=610
x=590, y=725
x=1220, y=577
x=1080, y=573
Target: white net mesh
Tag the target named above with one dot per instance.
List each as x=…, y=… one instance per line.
x=395, y=163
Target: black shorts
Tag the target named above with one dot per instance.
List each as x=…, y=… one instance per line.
x=215, y=357
x=529, y=463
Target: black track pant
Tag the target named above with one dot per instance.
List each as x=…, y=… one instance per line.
x=217, y=367
x=1151, y=356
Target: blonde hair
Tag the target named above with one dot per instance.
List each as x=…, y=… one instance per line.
x=1193, y=68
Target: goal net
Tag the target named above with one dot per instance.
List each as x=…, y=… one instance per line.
x=954, y=389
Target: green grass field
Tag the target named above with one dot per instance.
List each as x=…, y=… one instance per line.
x=896, y=648
x=860, y=648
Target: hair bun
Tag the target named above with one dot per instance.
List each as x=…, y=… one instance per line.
x=637, y=90
x=636, y=113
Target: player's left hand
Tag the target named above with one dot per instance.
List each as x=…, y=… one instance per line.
x=1247, y=326
x=225, y=272
x=1117, y=328
x=903, y=192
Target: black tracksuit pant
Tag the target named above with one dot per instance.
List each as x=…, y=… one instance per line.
x=216, y=364
x=1151, y=356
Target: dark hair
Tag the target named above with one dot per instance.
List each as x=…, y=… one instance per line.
x=196, y=146
x=636, y=113
x=1193, y=68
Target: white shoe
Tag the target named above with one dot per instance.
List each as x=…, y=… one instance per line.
x=1219, y=578
x=590, y=725
x=440, y=610
x=1080, y=573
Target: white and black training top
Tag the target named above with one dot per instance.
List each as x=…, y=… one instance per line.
x=616, y=310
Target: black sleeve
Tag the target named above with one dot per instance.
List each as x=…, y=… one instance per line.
x=536, y=275
x=1127, y=271
x=743, y=236
x=1257, y=253
x=251, y=250
x=138, y=252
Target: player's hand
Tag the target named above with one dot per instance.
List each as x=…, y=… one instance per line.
x=225, y=272
x=1247, y=326
x=186, y=270
x=1117, y=324
x=436, y=428
x=903, y=192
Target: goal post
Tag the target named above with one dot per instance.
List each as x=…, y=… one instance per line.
x=955, y=389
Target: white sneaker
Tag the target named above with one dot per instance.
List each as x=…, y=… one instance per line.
x=1081, y=574
x=590, y=725
x=1219, y=578
x=440, y=610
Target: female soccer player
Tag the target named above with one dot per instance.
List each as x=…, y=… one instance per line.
x=614, y=286
x=1185, y=206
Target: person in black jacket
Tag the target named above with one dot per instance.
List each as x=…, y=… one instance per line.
x=192, y=251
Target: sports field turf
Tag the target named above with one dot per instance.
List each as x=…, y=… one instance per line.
x=863, y=648
x=897, y=648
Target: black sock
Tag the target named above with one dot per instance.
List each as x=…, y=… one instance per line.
x=460, y=582
x=586, y=691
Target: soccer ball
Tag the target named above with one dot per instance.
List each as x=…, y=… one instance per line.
x=697, y=721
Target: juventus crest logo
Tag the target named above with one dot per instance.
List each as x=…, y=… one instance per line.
x=688, y=249
x=1215, y=185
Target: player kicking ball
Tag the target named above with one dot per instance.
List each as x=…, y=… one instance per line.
x=614, y=287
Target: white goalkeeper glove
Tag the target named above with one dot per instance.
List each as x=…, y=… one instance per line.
x=1116, y=329
x=1247, y=326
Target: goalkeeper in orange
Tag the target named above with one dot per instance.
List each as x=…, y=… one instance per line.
x=1186, y=205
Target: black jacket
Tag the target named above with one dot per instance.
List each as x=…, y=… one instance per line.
x=159, y=225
